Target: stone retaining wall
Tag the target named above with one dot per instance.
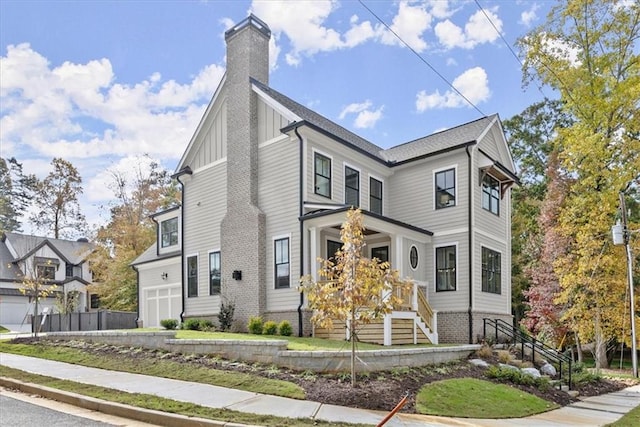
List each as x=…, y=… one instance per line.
x=274, y=352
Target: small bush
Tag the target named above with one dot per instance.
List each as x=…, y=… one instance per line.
x=270, y=328
x=255, y=325
x=515, y=376
x=285, y=329
x=504, y=356
x=205, y=325
x=484, y=352
x=225, y=316
x=169, y=324
x=191, y=324
x=585, y=377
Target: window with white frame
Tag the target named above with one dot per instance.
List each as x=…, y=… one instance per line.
x=446, y=268
x=282, y=266
x=445, y=188
x=192, y=276
x=351, y=187
x=375, y=196
x=491, y=271
x=169, y=232
x=491, y=194
x=214, y=273
x=322, y=175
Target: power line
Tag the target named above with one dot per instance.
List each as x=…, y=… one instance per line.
x=422, y=59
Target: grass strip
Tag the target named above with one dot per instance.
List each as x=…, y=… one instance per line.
x=630, y=419
x=473, y=398
x=148, y=401
x=158, y=368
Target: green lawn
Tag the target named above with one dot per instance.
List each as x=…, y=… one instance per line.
x=3, y=330
x=473, y=398
x=631, y=419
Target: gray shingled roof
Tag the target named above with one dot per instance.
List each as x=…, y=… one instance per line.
x=465, y=133
x=8, y=271
x=74, y=252
x=151, y=254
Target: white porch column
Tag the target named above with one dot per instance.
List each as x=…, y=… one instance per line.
x=314, y=250
x=396, y=251
x=387, y=330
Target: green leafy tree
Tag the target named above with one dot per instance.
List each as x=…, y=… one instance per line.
x=355, y=289
x=532, y=137
x=587, y=51
x=129, y=231
x=56, y=201
x=16, y=190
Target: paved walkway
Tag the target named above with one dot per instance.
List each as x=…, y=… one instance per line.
x=592, y=411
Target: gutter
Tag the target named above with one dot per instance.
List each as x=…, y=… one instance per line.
x=301, y=212
x=184, y=171
x=137, y=293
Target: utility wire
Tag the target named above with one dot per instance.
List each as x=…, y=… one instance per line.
x=422, y=59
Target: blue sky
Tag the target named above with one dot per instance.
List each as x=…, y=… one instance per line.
x=100, y=83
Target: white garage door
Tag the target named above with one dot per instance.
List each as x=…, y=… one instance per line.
x=161, y=303
x=13, y=309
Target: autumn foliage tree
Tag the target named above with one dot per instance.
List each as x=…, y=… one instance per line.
x=587, y=51
x=355, y=290
x=139, y=193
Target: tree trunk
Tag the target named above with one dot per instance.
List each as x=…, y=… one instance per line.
x=600, y=352
x=578, y=348
x=352, y=334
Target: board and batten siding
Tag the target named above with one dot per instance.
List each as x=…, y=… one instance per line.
x=278, y=198
x=210, y=142
x=205, y=206
x=269, y=122
x=457, y=300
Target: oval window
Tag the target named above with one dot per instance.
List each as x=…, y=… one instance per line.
x=413, y=257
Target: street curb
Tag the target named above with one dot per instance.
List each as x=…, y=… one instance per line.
x=112, y=408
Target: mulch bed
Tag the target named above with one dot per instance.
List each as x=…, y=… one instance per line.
x=376, y=390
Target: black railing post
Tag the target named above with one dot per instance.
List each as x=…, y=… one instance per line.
x=484, y=328
x=533, y=351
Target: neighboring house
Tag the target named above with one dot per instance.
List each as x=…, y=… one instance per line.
x=266, y=183
x=58, y=262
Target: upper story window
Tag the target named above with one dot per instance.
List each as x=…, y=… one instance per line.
x=192, y=276
x=375, y=196
x=214, y=273
x=322, y=175
x=282, y=265
x=351, y=187
x=68, y=270
x=491, y=194
x=445, y=188
x=491, y=271
x=446, y=268
x=46, y=272
x=169, y=232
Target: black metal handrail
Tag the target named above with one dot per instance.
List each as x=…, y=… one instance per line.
x=515, y=334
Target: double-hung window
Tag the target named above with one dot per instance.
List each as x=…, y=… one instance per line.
x=446, y=268
x=214, y=273
x=491, y=271
x=46, y=272
x=169, y=232
x=375, y=196
x=491, y=194
x=282, y=265
x=192, y=276
x=322, y=175
x=351, y=187
x=445, y=188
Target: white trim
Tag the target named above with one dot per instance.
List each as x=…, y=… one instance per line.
x=377, y=178
x=491, y=236
x=435, y=266
x=418, y=254
x=344, y=180
x=164, y=262
x=281, y=109
x=210, y=165
x=273, y=258
x=209, y=271
x=271, y=141
x=381, y=245
x=435, y=186
x=502, y=260
x=313, y=178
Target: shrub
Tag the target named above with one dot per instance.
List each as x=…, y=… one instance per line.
x=225, y=316
x=585, y=377
x=270, y=328
x=504, y=356
x=285, y=329
x=169, y=324
x=205, y=325
x=192, y=324
x=484, y=352
x=255, y=325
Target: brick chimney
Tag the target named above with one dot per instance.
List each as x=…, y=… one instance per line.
x=243, y=227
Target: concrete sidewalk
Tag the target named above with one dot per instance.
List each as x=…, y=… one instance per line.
x=592, y=411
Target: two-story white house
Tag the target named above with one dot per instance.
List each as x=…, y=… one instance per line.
x=266, y=183
x=58, y=262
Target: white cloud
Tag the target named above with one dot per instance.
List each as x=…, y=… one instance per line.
x=473, y=84
x=409, y=24
x=365, y=116
x=528, y=17
x=477, y=30
x=78, y=111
